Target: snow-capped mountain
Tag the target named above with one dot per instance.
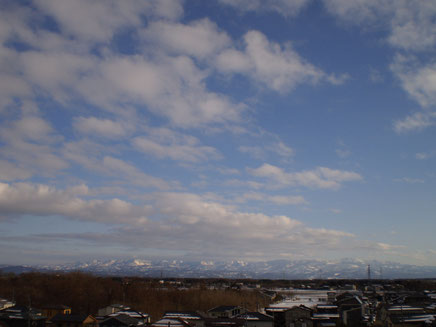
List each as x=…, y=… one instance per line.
x=276, y=269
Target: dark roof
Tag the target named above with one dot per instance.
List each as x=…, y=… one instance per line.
x=255, y=316
x=130, y=312
x=300, y=307
x=16, y=308
x=224, y=322
x=69, y=318
x=171, y=322
x=56, y=307
x=123, y=319
x=117, y=305
x=21, y=312
x=355, y=300
x=183, y=314
x=223, y=308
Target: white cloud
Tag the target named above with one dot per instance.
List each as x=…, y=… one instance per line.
x=283, y=150
x=172, y=87
x=185, y=222
x=243, y=184
x=409, y=180
x=10, y=172
x=228, y=171
x=132, y=174
x=32, y=145
x=256, y=152
x=55, y=73
x=33, y=128
x=168, y=9
x=410, y=24
x=343, y=153
x=414, y=26
x=100, y=127
x=165, y=143
x=388, y=247
x=262, y=152
x=224, y=231
x=99, y=20
x=11, y=84
x=279, y=68
x=375, y=75
x=65, y=66
x=424, y=155
x=283, y=7
x=418, y=80
x=200, y=38
x=321, y=177
x=42, y=200
x=276, y=199
x=101, y=159
x=415, y=122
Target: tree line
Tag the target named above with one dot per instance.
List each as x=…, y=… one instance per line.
x=86, y=293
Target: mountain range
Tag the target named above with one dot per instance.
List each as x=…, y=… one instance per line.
x=275, y=269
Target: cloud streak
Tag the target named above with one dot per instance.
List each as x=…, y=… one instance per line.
x=179, y=221
x=321, y=177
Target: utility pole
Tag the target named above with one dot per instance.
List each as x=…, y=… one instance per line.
x=29, y=310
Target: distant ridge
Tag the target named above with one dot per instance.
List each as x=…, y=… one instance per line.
x=274, y=269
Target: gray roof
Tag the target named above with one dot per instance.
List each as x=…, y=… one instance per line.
x=122, y=319
x=255, y=316
x=69, y=318
x=223, y=308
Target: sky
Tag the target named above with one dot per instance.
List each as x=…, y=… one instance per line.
x=217, y=130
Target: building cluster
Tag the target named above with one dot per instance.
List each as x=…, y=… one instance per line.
x=374, y=305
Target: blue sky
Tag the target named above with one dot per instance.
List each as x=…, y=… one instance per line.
x=253, y=130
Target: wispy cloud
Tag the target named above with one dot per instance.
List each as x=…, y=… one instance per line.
x=283, y=7
x=165, y=143
x=425, y=155
x=321, y=177
x=415, y=122
x=409, y=180
x=409, y=25
x=276, y=199
x=275, y=67
x=185, y=221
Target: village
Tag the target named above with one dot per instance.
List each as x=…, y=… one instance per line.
x=304, y=304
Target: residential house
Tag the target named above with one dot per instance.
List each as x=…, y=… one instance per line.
x=73, y=320
x=256, y=319
x=404, y=316
x=326, y=315
x=278, y=314
x=224, y=322
x=4, y=304
x=353, y=317
x=225, y=311
x=121, y=320
x=113, y=308
x=50, y=311
x=142, y=317
x=171, y=322
x=347, y=302
x=194, y=318
x=21, y=316
x=300, y=316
